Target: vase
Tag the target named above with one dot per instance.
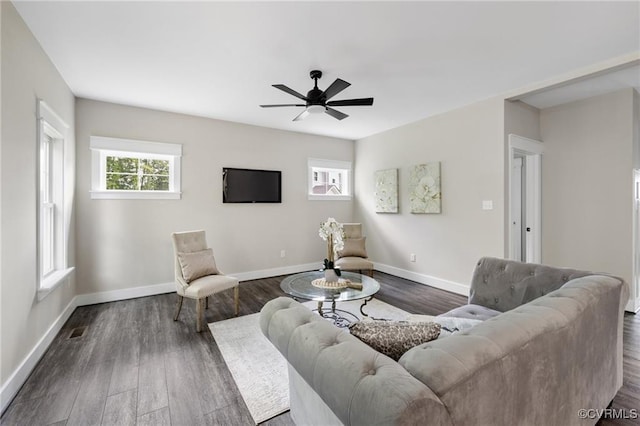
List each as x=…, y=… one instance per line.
x=330, y=275
x=330, y=248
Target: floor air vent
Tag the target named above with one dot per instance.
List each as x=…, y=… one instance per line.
x=78, y=332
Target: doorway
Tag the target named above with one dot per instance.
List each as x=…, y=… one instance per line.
x=634, y=300
x=525, y=205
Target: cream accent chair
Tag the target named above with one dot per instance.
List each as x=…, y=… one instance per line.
x=200, y=288
x=350, y=260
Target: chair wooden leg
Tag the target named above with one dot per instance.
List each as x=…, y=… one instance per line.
x=236, y=298
x=198, y=315
x=178, y=307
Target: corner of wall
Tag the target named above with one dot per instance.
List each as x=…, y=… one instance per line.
x=636, y=129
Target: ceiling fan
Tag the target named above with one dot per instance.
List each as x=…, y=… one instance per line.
x=317, y=101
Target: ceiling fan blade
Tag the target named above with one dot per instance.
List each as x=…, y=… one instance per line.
x=304, y=114
x=336, y=87
x=290, y=91
x=335, y=113
x=281, y=105
x=352, y=102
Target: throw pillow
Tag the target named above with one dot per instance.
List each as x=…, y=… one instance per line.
x=353, y=247
x=394, y=338
x=197, y=264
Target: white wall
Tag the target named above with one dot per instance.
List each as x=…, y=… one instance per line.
x=521, y=119
x=469, y=143
x=587, y=188
x=27, y=74
x=126, y=243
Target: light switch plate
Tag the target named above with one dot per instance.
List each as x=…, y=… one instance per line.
x=487, y=205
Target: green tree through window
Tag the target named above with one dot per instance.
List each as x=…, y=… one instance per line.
x=137, y=174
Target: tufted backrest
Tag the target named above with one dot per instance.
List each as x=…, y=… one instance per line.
x=186, y=242
x=352, y=230
x=502, y=284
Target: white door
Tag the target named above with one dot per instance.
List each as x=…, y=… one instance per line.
x=516, y=209
x=525, y=239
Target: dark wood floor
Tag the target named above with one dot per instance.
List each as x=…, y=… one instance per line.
x=135, y=365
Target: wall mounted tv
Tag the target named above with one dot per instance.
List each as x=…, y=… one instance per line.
x=251, y=186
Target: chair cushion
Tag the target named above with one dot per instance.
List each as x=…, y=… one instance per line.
x=208, y=285
x=353, y=263
x=394, y=338
x=197, y=264
x=354, y=247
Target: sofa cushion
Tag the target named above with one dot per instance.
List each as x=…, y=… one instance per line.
x=394, y=338
x=450, y=325
x=471, y=311
x=354, y=247
x=197, y=264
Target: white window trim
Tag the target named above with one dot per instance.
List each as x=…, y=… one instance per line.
x=103, y=146
x=329, y=164
x=51, y=125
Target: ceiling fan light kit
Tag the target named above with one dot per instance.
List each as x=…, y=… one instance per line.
x=317, y=101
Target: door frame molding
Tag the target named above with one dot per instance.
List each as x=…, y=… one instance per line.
x=533, y=151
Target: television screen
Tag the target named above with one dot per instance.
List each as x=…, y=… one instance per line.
x=251, y=186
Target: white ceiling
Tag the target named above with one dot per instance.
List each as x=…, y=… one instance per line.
x=416, y=59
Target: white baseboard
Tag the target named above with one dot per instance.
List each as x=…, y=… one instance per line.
x=13, y=384
x=436, y=282
x=151, y=290
x=274, y=272
x=633, y=307
x=11, y=387
x=124, y=294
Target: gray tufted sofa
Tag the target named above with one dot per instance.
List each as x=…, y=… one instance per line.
x=550, y=346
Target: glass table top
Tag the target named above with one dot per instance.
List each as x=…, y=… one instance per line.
x=299, y=285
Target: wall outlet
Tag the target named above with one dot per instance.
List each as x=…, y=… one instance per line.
x=283, y=253
x=412, y=257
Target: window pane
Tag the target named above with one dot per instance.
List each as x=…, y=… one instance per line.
x=122, y=182
x=137, y=174
x=329, y=182
x=47, y=241
x=122, y=165
x=155, y=183
x=45, y=170
x=155, y=167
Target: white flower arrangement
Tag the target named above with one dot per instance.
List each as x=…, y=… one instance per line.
x=332, y=232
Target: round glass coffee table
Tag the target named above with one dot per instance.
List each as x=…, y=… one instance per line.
x=299, y=286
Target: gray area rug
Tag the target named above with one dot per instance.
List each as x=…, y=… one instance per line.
x=259, y=370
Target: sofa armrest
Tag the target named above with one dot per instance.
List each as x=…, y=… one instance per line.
x=360, y=385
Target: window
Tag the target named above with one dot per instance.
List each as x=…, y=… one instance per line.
x=52, y=201
x=329, y=180
x=123, y=168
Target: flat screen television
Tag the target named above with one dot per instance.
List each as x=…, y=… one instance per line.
x=251, y=186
